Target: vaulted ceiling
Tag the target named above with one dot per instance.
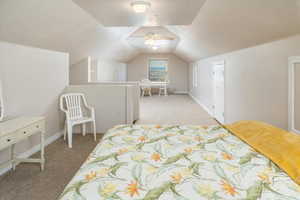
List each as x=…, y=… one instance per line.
x=210, y=28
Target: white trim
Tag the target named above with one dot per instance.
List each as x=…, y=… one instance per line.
x=180, y=92
x=89, y=69
x=221, y=62
x=195, y=74
x=1, y=103
x=295, y=131
x=291, y=96
x=202, y=105
x=34, y=150
x=215, y=64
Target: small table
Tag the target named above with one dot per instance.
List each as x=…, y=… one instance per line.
x=15, y=130
x=157, y=85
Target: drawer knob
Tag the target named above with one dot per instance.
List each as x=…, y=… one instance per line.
x=8, y=140
x=24, y=132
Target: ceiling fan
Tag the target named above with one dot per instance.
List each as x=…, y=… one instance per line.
x=157, y=36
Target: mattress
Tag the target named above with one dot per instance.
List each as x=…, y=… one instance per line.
x=177, y=162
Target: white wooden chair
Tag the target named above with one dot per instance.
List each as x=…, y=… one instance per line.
x=71, y=104
x=145, y=85
x=163, y=89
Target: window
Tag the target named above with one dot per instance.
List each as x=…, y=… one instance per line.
x=195, y=75
x=158, y=70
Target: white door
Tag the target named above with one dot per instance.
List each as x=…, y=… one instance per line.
x=219, y=93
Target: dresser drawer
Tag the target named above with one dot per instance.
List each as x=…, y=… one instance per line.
x=6, y=141
x=20, y=134
x=30, y=130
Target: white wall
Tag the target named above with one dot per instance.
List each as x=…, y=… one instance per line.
x=256, y=82
x=111, y=71
x=80, y=72
x=32, y=81
x=88, y=70
x=137, y=69
x=114, y=104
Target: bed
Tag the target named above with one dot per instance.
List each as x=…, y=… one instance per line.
x=178, y=162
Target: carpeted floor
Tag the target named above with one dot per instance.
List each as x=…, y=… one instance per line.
x=173, y=109
x=29, y=183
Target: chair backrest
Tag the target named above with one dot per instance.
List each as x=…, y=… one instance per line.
x=71, y=103
x=146, y=83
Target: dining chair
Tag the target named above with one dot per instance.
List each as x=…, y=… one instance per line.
x=146, y=87
x=163, y=89
x=77, y=111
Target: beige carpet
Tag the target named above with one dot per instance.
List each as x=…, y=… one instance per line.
x=173, y=109
x=29, y=183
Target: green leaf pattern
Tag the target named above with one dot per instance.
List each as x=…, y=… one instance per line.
x=151, y=162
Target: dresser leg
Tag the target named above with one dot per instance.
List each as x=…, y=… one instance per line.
x=12, y=156
x=42, y=151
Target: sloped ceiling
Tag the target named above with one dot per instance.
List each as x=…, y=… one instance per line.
x=119, y=12
x=63, y=26
x=221, y=26
x=166, y=40
x=227, y=25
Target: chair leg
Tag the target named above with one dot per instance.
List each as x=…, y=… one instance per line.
x=70, y=135
x=94, y=129
x=65, y=130
x=83, y=129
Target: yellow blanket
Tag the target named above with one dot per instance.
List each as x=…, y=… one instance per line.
x=280, y=146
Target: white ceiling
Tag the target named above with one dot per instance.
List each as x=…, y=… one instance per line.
x=221, y=26
x=63, y=26
x=161, y=12
x=228, y=25
x=166, y=41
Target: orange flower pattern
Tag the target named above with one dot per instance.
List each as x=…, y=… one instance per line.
x=142, y=139
x=176, y=178
x=156, y=157
x=133, y=189
x=156, y=162
x=229, y=189
x=227, y=156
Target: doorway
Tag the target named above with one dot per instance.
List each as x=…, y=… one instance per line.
x=294, y=94
x=219, y=90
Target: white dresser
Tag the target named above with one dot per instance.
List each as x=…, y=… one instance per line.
x=15, y=130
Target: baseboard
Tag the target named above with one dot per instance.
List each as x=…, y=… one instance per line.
x=180, y=92
x=34, y=150
x=201, y=104
x=295, y=131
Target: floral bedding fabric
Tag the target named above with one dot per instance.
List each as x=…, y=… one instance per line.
x=177, y=162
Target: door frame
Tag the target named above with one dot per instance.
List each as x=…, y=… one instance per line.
x=216, y=64
x=291, y=93
x=1, y=102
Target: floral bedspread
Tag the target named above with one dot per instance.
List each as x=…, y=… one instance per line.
x=177, y=162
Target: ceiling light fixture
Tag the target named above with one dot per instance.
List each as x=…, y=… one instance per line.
x=150, y=39
x=155, y=48
x=140, y=6
x=149, y=42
